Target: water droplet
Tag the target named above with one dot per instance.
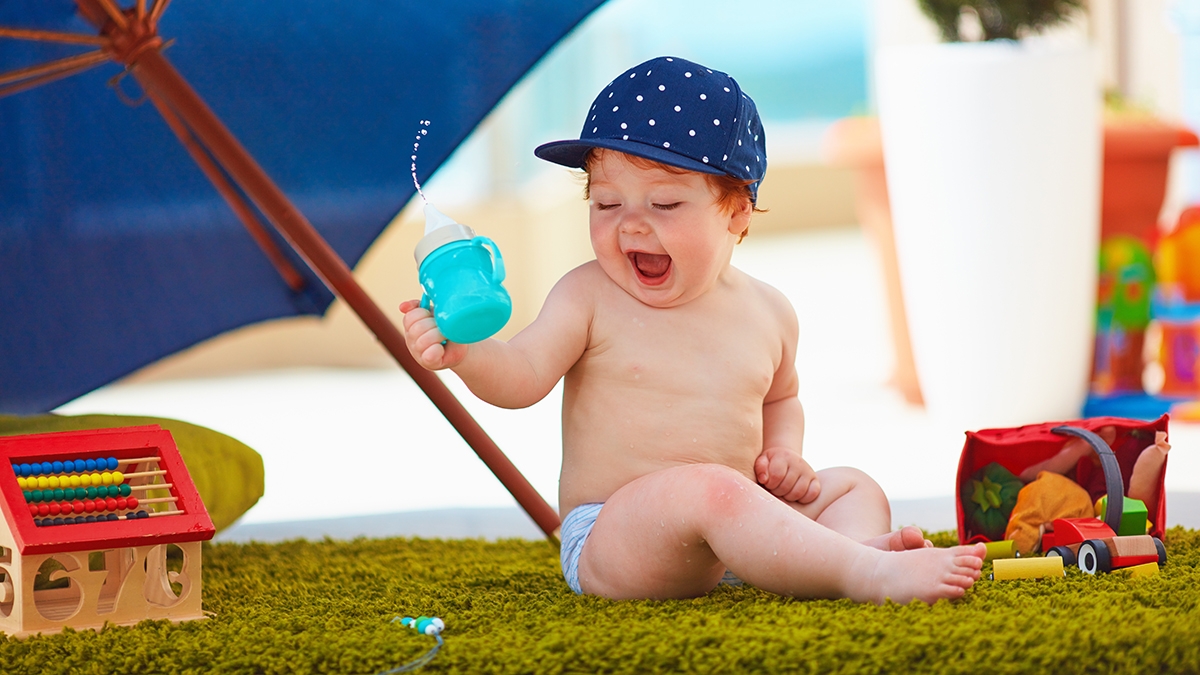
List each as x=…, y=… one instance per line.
x=416, y=147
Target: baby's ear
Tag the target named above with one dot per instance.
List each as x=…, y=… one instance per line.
x=739, y=220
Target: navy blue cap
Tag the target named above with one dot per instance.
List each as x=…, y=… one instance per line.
x=676, y=112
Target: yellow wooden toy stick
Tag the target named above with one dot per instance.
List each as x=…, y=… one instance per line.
x=1027, y=568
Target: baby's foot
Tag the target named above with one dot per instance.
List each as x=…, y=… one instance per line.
x=904, y=539
x=926, y=574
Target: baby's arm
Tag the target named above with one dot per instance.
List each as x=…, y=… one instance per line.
x=520, y=372
x=781, y=468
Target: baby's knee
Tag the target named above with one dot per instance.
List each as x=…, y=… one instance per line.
x=719, y=490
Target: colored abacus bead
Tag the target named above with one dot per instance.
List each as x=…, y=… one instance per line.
x=89, y=506
x=110, y=504
x=78, y=507
x=59, y=494
x=118, y=478
x=43, y=509
x=56, y=466
x=43, y=482
x=76, y=481
x=33, y=510
x=120, y=503
x=131, y=502
x=125, y=490
x=69, y=466
x=45, y=467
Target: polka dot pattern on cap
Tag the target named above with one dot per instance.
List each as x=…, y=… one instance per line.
x=676, y=112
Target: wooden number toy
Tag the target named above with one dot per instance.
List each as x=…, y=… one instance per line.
x=99, y=527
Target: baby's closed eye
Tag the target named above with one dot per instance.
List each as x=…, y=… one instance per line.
x=605, y=207
x=667, y=207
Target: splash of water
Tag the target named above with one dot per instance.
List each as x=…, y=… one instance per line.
x=416, y=146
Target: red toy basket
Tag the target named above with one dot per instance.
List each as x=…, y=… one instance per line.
x=1020, y=447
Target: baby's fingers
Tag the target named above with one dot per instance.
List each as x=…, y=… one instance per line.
x=776, y=472
x=810, y=495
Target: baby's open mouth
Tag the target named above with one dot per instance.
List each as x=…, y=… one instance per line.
x=650, y=266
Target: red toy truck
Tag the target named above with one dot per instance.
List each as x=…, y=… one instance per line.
x=1092, y=543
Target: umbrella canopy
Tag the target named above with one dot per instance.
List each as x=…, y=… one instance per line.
x=115, y=250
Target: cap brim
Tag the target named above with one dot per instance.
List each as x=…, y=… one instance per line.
x=571, y=153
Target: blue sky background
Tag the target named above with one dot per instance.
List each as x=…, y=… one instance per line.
x=803, y=61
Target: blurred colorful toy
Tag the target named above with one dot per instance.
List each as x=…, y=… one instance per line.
x=1176, y=308
x=1126, y=282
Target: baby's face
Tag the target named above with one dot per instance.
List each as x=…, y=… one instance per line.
x=658, y=235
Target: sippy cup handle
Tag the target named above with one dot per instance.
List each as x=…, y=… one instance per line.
x=498, y=266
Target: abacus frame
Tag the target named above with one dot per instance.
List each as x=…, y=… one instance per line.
x=192, y=524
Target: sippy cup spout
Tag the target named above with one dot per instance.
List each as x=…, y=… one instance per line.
x=435, y=219
x=440, y=229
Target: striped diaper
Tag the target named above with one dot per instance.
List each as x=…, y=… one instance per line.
x=575, y=530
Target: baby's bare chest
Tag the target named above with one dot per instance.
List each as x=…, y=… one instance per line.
x=683, y=355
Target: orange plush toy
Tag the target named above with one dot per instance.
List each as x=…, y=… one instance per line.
x=1048, y=497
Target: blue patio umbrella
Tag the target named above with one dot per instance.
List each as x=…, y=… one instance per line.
x=117, y=123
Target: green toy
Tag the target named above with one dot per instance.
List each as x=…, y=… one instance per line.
x=988, y=500
x=1126, y=281
x=1133, y=515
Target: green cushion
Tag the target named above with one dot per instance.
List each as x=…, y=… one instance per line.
x=228, y=474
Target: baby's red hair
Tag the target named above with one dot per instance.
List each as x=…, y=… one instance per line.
x=730, y=192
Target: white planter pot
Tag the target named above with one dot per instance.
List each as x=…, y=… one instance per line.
x=993, y=161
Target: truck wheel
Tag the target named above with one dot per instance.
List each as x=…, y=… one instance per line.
x=1094, y=557
x=1162, y=551
x=1063, y=552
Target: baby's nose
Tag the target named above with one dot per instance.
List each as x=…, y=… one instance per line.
x=634, y=222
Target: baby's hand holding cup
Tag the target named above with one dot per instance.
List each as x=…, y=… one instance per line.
x=425, y=342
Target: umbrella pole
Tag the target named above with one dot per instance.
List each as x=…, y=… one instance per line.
x=170, y=92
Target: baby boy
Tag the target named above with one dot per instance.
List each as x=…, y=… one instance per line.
x=682, y=429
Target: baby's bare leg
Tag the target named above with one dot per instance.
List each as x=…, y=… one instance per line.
x=672, y=533
x=852, y=503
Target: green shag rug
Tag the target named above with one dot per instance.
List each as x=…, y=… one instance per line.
x=326, y=607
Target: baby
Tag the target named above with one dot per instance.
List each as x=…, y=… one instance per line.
x=682, y=430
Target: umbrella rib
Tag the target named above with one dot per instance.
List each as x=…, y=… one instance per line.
x=114, y=13
x=48, y=72
x=156, y=11
x=53, y=36
x=226, y=189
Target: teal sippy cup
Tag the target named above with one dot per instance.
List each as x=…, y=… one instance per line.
x=461, y=276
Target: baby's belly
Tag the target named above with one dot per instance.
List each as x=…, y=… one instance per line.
x=607, y=444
